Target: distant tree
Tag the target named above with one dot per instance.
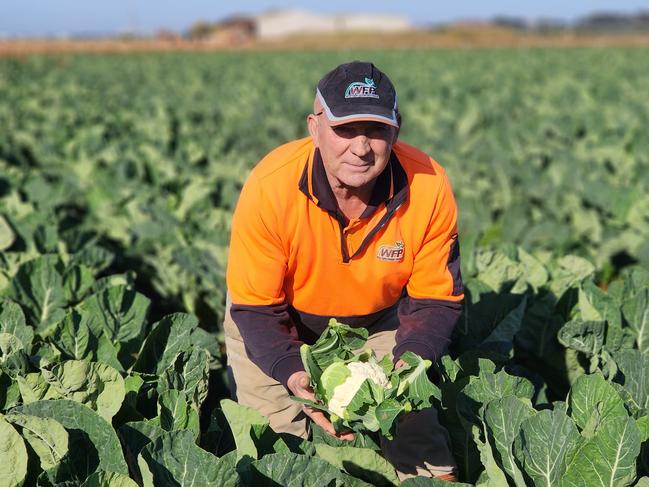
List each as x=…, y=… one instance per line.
x=515, y=23
x=200, y=30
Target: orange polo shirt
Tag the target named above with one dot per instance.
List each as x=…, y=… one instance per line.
x=295, y=261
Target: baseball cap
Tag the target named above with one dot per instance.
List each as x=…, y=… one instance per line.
x=358, y=91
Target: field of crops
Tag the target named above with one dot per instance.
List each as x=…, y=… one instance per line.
x=118, y=176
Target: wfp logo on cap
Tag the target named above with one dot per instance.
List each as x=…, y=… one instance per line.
x=391, y=253
x=359, y=89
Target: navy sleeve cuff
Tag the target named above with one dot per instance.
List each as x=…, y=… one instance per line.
x=285, y=367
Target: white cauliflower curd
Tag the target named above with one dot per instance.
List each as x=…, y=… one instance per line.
x=344, y=393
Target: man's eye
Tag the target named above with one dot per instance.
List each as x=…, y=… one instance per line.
x=379, y=131
x=343, y=131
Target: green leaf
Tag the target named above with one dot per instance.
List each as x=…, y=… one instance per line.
x=108, y=479
x=7, y=235
x=188, y=374
x=636, y=314
x=569, y=271
x=135, y=436
x=12, y=321
x=46, y=436
x=338, y=341
x=544, y=443
x=386, y=414
x=590, y=392
x=252, y=433
x=318, y=435
x=431, y=482
x=176, y=412
x=503, y=418
x=92, y=441
x=414, y=382
x=13, y=359
x=643, y=426
x=634, y=368
x=119, y=314
x=96, y=385
x=174, y=459
x=584, y=336
x=486, y=388
x=609, y=458
x=38, y=287
x=169, y=336
x=13, y=456
x=72, y=336
x=362, y=463
x=501, y=339
x=293, y=470
x=597, y=305
x=495, y=475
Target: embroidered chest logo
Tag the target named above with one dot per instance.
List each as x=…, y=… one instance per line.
x=391, y=253
x=359, y=89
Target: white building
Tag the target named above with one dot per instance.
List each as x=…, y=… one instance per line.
x=282, y=23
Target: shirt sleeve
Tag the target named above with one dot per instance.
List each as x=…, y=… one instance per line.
x=255, y=276
x=432, y=306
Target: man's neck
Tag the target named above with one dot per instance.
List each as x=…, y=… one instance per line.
x=351, y=201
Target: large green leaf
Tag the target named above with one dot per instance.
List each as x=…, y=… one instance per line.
x=544, y=442
x=92, y=441
x=13, y=359
x=169, y=337
x=12, y=321
x=503, y=418
x=597, y=305
x=487, y=387
x=73, y=338
x=108, y=479
x=46, y=436
x=636, y=313
x=251, y=430
x=634, y=368
x=362, y=463
x=174, y=459
x=501, y=339
x=188, y=374
x=119, y=314
x=177, y=412
x=96, y=385
x=38, y=287
x=584, y=336
x=13, y=456
x=7, y=235
x=431, y=482
x=591, y=394
x=293, y=470
x=414, y=382
x=608, y=458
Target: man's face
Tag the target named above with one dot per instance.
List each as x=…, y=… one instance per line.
x=355, y=153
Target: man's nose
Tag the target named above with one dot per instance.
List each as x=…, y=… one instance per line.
x=360, y=145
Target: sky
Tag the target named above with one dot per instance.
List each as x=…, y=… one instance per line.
x=25, y=18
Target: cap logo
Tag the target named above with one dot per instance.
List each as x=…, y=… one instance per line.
x=359, y=89
x=391, y=253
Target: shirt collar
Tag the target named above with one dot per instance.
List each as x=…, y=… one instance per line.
x=315, y=185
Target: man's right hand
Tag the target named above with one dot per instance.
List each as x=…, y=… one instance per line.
x=300, y=385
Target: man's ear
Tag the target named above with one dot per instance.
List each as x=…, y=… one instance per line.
x=397, y=129
x=312, y=125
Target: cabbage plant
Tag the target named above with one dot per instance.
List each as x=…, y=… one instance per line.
x=359, y=391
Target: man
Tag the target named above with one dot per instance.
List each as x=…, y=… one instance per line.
x=352, y=224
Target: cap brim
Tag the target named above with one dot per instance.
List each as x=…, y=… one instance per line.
x=361, y=113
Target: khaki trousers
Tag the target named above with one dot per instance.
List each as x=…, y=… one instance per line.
x=421, y=446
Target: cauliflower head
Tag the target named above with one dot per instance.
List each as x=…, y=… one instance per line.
x=360, y=371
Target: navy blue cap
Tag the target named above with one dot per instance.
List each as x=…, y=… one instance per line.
x=358, y=91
